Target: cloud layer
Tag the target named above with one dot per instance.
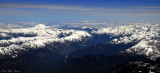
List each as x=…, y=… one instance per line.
x=54, y=9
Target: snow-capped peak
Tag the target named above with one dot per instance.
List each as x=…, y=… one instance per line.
x=40, y=26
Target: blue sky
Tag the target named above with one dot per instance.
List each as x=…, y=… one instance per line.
x=58, y=11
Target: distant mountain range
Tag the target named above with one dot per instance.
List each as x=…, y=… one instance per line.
x=55, y=49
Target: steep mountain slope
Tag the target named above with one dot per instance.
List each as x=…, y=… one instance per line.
x=146, y=36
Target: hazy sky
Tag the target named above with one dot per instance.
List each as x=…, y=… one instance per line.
x=57, y=11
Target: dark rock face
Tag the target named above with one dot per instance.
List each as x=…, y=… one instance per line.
x=136, y=67
x=96, y=63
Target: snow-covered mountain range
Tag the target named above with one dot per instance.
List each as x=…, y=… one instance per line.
x=146, y=38
x=43, y=35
